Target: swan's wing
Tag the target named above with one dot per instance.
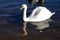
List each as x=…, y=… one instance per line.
x=35, y=11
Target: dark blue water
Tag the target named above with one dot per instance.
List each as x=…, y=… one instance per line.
x=9, y=12
x=9, y=9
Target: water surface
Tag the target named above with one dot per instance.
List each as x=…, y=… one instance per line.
x=11, y=21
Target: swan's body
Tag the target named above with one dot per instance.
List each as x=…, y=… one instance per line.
x=38, y=14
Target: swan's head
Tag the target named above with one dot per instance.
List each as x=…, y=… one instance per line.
x=24, y=6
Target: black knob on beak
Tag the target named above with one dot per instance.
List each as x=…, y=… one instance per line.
x=21, y=7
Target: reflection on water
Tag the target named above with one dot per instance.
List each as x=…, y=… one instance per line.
x=37, y=25
x=24, y=28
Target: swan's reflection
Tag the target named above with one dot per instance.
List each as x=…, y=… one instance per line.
x=39, y=25
x=24, y=28
x=42, y=25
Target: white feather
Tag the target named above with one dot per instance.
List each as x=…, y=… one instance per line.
x=38, y=14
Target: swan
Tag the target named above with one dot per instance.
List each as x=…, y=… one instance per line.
x=38, y=14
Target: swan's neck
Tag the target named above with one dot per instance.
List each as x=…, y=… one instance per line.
x=24, y=15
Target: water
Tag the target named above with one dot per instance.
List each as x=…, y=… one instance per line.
x=11, y=17
x=10, y=8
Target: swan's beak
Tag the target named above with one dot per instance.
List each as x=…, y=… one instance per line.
x=21, y=7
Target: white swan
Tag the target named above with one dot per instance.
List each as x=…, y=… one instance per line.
x=38, y=14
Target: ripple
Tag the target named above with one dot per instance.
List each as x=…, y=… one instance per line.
x=11, y=7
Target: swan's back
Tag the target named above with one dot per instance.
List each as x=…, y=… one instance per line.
x=44, y=14
x=40, y=9
x=36, y=11
x=40, y=14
